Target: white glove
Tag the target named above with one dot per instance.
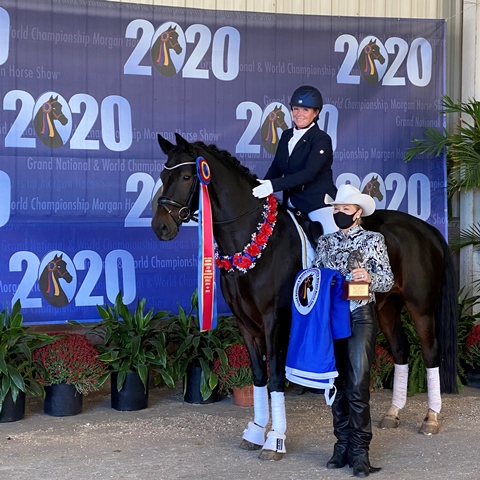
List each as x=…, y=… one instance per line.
x=263, y=190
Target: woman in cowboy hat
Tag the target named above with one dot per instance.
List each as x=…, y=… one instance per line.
x=354, y=355
x=302, y=167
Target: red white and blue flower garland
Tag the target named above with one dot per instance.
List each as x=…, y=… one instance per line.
x=246, y=259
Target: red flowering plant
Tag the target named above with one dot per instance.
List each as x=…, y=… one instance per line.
x=382, y=368
x=72, y=359
x=472, y=347
x=237, y=372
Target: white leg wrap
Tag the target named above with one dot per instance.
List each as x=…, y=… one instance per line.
x=275, y=441
x=433, y=386
x=260, y=406
x=400, y=385
x=255, y=434
x=279, y=419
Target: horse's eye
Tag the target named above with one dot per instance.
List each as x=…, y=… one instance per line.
x=187, y=177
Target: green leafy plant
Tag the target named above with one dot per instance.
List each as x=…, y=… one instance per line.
x=200, y=348
x=132, y=342
x=462, y=148
x=70, y=359
x=16, y=345
x=237, y=372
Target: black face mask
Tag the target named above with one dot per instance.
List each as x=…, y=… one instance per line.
x=343, y=220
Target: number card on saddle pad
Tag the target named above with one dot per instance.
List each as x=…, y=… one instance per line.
x=319, y=316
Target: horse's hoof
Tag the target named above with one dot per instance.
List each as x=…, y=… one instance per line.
x=246, y=445
x=389, y=421
x=270, y=455
x=429, y=427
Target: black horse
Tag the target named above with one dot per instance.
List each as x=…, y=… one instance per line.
x=261, y=297
x=270, y=138
x=50, y=286
x=44, y=122
x=366, y=61
x=160, y=52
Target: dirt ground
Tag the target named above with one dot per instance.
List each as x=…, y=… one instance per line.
x=175, y=440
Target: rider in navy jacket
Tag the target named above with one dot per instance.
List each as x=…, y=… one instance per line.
x=302, y=166
x=305, y=176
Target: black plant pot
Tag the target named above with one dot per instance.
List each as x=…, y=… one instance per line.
x=192, y=392
x=62, y=400
x=13, y=411
x=473, y=377
x=132, y=396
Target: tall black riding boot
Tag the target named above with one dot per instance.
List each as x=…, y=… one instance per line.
x=361, y=349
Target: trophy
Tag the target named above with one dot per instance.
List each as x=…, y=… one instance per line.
x=355, y=290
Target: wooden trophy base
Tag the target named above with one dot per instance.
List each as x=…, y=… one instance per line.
x=356, y=290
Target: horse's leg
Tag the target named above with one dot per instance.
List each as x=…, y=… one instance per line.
x=425, y=326
x=254, y=435
x=391, y=326
x=277, y=327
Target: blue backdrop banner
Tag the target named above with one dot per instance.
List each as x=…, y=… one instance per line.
x=87, y=85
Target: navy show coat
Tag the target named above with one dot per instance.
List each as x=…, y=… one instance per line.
x=306, y=175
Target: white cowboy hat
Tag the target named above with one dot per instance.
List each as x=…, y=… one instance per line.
x=349, y=195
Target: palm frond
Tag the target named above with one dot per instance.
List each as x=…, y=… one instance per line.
x=468, y=236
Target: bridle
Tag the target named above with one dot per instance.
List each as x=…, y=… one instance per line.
x=185, y=213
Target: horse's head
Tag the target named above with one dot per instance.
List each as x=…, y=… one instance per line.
x=169, y=38
x=366, y=61
x=373, y=50
x=57, y=267
x=173, y=40
x=372, y=188
x=53, y=108
x=178, y=198
x=275, y=119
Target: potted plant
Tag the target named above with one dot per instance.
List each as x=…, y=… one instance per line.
x=133, y=344
x=68, y=368
x=196, y=351
x=16, y=366
x=236, y=376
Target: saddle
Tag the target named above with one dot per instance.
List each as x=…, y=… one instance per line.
x=313, y=230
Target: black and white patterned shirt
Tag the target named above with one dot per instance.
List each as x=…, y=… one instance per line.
x=334, y=248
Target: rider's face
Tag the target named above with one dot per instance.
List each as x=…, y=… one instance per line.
x=303, y=116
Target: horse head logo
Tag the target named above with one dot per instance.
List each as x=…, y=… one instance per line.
x=274, y=120
x=47, y=115
x=304, y=288
x=161, y=57
x=366, y=61
x=372, y=188
x=50, y=281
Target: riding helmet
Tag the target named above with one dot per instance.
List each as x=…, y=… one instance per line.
x=307, y=96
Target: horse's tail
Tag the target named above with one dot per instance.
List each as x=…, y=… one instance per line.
x=447, y=322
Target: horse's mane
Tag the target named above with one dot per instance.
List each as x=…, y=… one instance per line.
x=227, y=156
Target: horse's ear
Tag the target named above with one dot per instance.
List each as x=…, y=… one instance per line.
x=182, y=143
x=165, y=145
x=56, y=98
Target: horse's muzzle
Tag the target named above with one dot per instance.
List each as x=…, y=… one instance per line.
x=164, y=228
